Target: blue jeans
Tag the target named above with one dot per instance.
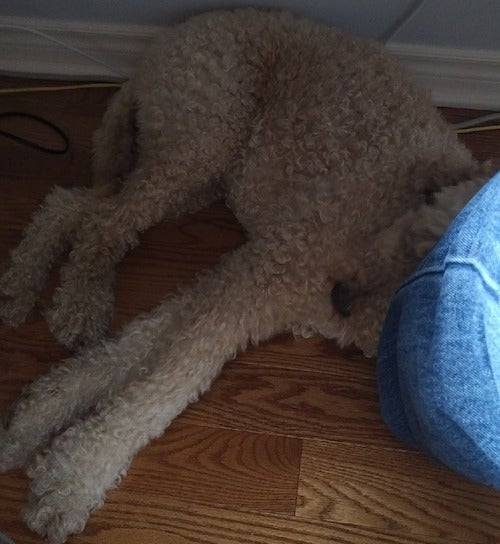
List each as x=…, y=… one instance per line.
x=438, y=364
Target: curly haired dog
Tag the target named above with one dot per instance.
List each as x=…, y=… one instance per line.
x=342, y=174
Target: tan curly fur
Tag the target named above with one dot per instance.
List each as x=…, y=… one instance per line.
x=324, y=152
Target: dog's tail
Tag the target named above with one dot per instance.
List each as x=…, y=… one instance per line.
x=114, y=143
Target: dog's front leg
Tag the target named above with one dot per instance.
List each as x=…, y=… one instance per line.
x=247, y=298
x=74, y=386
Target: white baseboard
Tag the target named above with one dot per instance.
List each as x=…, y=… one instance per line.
x=468, y=78
x=26, y=54
x=455, y=77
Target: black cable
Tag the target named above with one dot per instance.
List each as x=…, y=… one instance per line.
x=29, y=143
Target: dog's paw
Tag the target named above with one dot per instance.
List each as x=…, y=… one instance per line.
x=63, y=489
x=56, y=514
x=13, y=453
x=81, y=313
x=17, y=298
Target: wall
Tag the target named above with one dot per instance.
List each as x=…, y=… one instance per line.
x=451, y=47
x=456, y=23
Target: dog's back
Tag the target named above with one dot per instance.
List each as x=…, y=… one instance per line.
x=315, y=118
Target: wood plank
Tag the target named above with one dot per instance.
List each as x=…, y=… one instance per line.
x=171, y=255
x=294, y=403
x=315, y=354
x=138, y=518
x=393, y=490
x=219, y=467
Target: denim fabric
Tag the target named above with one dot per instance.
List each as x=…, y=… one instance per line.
x=438, y=364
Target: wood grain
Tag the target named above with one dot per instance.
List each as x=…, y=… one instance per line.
x=315, y=354
x=220, y=467
x=394, y=490
x=173, y=522
x=132, y=518
x=293, y=403
x=287, y=447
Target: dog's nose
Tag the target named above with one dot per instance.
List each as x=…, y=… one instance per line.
x=341, y=299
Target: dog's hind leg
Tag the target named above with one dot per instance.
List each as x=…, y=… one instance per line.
x=83, y=303
x=178, y=171
x=247, y=299
x=44, y=241
x=54, y=224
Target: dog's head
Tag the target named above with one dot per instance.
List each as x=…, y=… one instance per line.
x=360, y=301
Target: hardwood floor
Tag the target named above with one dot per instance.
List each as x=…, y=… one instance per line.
x=287, y=447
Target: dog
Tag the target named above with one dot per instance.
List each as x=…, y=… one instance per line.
x=341, y=172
